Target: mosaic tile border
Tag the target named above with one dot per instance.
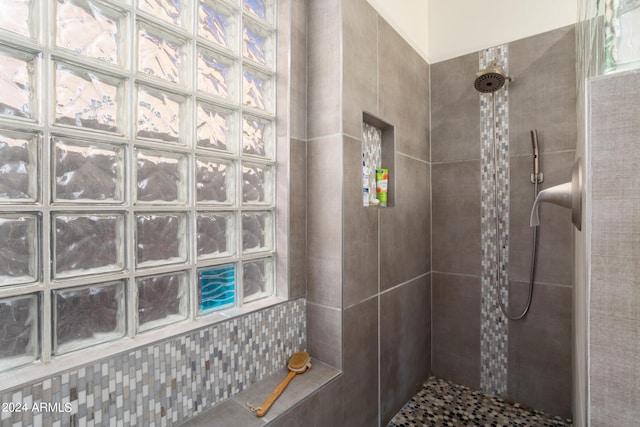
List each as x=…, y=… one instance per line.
x=167, y=382
x=494, y=325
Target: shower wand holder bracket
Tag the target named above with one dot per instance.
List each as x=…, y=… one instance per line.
x=537, y=178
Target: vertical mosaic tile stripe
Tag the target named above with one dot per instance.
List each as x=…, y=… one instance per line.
x=165, y=383
x=494, y=183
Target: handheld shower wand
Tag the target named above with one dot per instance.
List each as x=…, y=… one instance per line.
x=536, y=176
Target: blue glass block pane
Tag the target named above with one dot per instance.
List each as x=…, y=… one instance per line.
x=256, y=8
x=217, y=287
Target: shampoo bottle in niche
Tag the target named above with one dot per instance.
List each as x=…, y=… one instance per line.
x=382, y=183
x=365, y=183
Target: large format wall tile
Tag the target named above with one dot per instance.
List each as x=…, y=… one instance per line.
x=360, y=262
x=542, y=94
x=540, y=349
x=455, y=328
x=324, y=225
x=323, y=68
x=455, y=110
x=360, y=64
x=456, y=217
x=324, y=332
x=405, y=344
x=403, y=92
x=297, y=253
x=555, y=253
x=404, y=229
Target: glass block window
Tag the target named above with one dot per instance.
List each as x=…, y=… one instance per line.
x=137, y=167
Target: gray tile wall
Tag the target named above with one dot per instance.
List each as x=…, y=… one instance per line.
x=542, y=96
x=614, y=324
x=365, y=265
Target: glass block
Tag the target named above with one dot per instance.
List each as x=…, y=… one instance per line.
x=257, y=90
x=262, y=9
x=160, y=55
x=18, y=84
x=87, y=243
x=217, y=23
x=161, y=239
x=257, y=44
x=256, y=184
x=172, y=11
x=19, y=332
x=161, y=177
x=159, y=115
x=91, y=172
x=257, y=231
x=257, y=279
x=19, y=168
x=216, y=75
x=88, y=100
x=215, y=234
x=88, y=315
x=19, y=249
x=215, y=128
x=257, y=137
x=17, y=16
x=90, y=30
x=216, y=287
x=215, y=181
x=162, y=300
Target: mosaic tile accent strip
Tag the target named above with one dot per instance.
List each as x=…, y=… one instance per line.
x=164, y=383
x=494, y=183
x=442, y=403
x=371, y=156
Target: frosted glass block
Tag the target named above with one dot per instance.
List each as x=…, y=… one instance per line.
x=262, y=9
x=216, y=128
x=160, y=55
x=216, y=75
x=19, y=167
x=17, y=84
x=215, y=234
x=161, y=177
x=159, y=115
x=257, y=279
x=257, y=44
x=256, y=184
x=172, y=11
x=88, y=100
x=161, y=239
x=19, y=332
x=216, y=287
x=162, y=300
x=92, y=172
x=217, y=23
x=87, y=243
x=257, y=231
x=215, y=181
x=17, y=17
x=257, y=90
x=19, y=249
x=88, y=315
x=257, y=137
x=89, y=29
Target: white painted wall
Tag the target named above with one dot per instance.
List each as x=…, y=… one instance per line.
x=443, y=29
x=409, y=18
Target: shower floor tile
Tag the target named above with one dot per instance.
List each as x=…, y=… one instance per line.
x=441, y=403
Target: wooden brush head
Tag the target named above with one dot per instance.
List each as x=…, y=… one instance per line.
x=299, y=361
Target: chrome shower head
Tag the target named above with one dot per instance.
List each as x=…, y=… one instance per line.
x=491, y=79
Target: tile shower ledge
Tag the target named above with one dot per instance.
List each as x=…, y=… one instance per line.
x=234, y=412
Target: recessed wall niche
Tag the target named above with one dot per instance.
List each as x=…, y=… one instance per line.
x=378, y=152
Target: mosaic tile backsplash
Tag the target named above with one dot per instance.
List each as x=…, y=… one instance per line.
x=494, y=183
x=166, y=382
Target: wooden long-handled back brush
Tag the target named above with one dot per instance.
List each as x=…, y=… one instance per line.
x=299, y=363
